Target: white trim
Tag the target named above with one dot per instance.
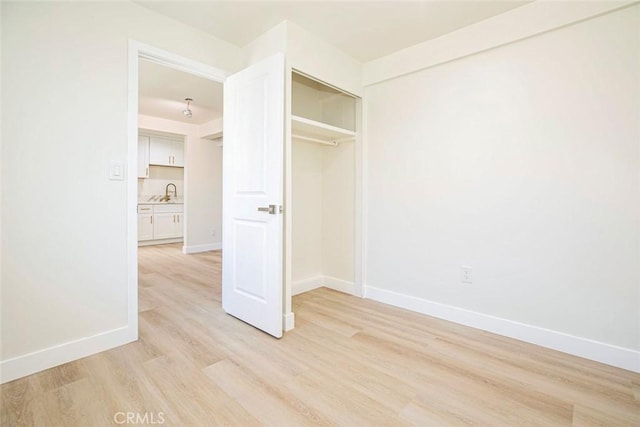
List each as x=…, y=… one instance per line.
x=340, y=285
x=194, y=249
x=177, y=62
x=316, y=282
x=160, y=241
x=40, y=360
x=509, y=27
x=361, y=270
x=307, y=285
x=582, y=347
x=359, y=219
x=287, y=225
x=132, y=189
x=288, y=321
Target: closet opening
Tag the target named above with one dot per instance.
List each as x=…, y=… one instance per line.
x=323, y=228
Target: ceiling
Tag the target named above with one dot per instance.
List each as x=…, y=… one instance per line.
x=365, y=30
x=162, y=91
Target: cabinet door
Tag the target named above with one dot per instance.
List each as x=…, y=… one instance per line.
x=177, y=153
x=145, y=227
x=143, y=157
x=164, y=225
x=160, y=151
x=179, y=225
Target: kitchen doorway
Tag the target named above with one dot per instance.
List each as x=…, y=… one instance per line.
x=174, y=175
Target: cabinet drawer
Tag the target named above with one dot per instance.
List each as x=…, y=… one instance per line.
x=145, y=209
x=169, y=208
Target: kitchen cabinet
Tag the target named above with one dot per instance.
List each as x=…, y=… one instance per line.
x=166, y=152
x=160, y=222
x=180, y=224
x=165, y=226
x=145, y=222
x=143, y=156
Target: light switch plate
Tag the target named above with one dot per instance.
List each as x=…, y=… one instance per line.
x=467, y=274
x=116, y=170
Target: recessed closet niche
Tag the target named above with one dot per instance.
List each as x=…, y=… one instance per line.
x=323, y=134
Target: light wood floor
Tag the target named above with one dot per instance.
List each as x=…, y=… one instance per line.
x=349, y=362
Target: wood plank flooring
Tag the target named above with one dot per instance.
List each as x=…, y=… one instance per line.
x=349, y=362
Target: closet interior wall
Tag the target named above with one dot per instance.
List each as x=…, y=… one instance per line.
x=323, y=190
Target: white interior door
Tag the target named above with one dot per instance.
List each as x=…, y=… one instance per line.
x=252, y=223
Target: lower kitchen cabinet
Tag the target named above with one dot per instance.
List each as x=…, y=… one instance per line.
x=145, y=222
x=159, y=222
x=166, y=226
x=145, y=226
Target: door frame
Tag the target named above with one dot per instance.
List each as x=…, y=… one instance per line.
x=137, y=51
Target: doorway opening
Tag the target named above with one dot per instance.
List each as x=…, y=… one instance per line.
x=174, y=179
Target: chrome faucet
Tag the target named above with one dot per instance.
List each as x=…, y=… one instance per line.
x=166, y=191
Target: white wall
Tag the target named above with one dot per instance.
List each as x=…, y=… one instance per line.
x=536, y=17
x=309, y=54
x=269, y=43
x=159, y=178
x=323, y=216
x=338, y=213
x=317, y=58
x=307, y=211
x=522, y=162
x=64, y=115
x=202, y=191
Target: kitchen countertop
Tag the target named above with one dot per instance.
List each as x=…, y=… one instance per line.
x=144, y=200
x=171, y=202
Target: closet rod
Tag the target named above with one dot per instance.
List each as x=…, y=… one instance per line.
x=319, y=141
x=347, y=139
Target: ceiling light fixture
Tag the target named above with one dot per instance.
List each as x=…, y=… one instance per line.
x=187, y=111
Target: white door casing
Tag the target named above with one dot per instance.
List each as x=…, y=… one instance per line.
x=252, y=285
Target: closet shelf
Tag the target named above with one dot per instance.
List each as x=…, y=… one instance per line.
x=322, y=133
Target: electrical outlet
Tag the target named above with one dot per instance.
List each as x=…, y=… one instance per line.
x=213, y=232
x=467, y=276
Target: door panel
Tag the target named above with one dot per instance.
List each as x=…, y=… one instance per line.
x=250, y=267
x=250, y=167
x=252, y=286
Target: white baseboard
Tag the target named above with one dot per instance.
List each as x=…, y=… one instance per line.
x=593, y=350
x=288, y=321
x=340, y=285
x=307, y=285
x=21, y=366
x=193, y=249
x=315, y=282
x=159, y=241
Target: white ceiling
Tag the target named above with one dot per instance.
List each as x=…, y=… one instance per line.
x=162, y=91
x=363, y=29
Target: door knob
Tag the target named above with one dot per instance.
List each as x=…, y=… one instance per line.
x=271, y=209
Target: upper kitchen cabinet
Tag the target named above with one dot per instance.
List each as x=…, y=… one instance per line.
x=143, y=156
x=165, y=151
